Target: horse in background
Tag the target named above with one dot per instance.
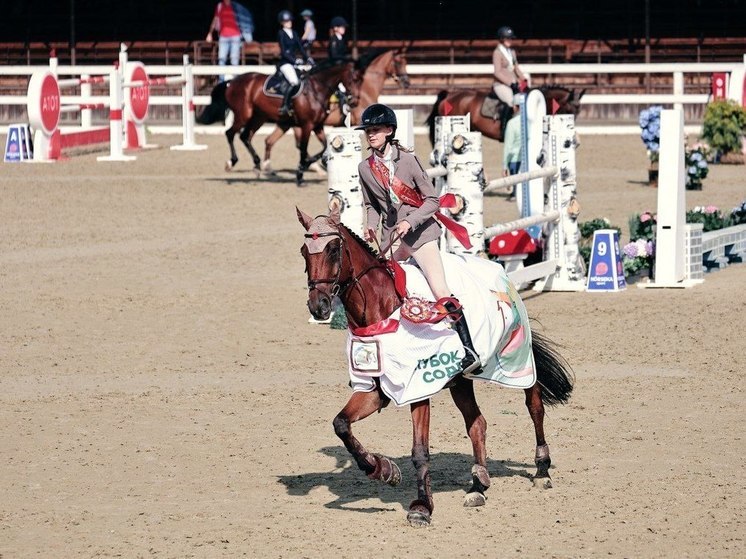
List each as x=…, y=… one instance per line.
x=252, y=107
x=470, y=102
x=376, y=66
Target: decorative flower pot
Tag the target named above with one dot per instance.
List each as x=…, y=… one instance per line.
x=653, y=174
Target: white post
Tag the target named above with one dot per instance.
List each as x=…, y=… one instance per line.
x=670, y=258
x=342, y=156
x=445, y=126
x=530, y=196
x=187, y=111
x=116, y=108
x=464, y=180
x=678, y=88
x=561, y=238
x=86, y=115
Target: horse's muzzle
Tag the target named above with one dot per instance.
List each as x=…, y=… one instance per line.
x=320, y=305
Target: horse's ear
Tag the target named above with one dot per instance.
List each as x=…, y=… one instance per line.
x=581, y=94
x=571, y=96
x=334, y=212
x=305, y=219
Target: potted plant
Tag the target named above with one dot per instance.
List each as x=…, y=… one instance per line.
x=695, y=160
x=723, y=128
x=650, y=129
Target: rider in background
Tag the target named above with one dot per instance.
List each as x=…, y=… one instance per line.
x=338, y=53
x=337, y=41
x=392, y=168
x=309, y=30
x=292, y=53
x=509, y=78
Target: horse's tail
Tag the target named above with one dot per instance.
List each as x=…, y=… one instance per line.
x=554, y=373
x=215, y=111
x=431, y=119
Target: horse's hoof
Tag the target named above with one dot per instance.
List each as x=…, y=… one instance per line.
x=266, y=168
x=229, y=165
x=475, y=499
x=542, y=482
x=418, y=519
x=386, y=471
x=419, y=514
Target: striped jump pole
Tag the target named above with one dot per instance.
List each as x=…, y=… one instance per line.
x=188, y=111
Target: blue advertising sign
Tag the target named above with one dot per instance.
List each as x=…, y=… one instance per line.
x=17, y=143
x=605, y=271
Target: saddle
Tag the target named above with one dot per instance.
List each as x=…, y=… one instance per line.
x=492, y=107
x=276, y=84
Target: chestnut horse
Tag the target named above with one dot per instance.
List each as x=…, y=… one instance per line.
x=338, y=263
x=470, y=102
x=377, y=66
x=251, y=108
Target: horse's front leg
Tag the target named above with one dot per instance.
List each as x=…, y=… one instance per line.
x=421, y=509
x=360, y=406
x=462, y=393
x=302, y=143
x=543, y=461
x=314, y=164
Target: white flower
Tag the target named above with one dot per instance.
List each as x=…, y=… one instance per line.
x=642, y=247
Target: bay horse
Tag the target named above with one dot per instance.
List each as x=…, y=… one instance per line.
x=376, y=67
x=339, y=263
x=463, y=102
x=252, y=107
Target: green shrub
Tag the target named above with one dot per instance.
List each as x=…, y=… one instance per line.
x=724, y=125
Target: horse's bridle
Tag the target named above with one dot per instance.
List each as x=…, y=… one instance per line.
x=339, y=288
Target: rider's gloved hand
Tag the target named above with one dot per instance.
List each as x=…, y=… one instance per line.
x=514, y=86
x=299, y=62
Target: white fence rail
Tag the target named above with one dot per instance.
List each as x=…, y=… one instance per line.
x=676, y=97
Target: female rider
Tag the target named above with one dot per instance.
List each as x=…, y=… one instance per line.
x=391, y=168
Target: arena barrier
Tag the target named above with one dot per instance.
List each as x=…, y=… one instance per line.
x=45, y=104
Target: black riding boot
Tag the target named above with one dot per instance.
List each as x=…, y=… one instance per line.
x=470, y=364
x=286, y=109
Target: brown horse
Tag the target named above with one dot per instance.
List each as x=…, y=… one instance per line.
x=338, y=263
x=376, y=66
x=469, y=102
x=251, y=108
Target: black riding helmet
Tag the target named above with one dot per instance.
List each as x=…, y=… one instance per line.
x=284, y=15
x=505, y=32
x=338, y=21
x=377, y=115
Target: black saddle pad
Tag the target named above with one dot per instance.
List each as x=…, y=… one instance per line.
x=273, y=86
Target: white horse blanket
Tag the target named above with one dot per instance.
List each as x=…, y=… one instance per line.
x=417, y=360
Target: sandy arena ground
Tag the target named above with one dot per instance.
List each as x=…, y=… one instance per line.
x=162, y=394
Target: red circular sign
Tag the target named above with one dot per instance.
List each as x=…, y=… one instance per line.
x=49, y=103
x=139, y=95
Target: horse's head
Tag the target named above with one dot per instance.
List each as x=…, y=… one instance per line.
x=569, y=103
x=326, y=266
x=397, y=68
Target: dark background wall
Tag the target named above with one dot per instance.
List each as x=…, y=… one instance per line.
x=105, y=20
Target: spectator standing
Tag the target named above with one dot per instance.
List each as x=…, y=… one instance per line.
x=309, y=30
x=512, y=148
x=234, y=23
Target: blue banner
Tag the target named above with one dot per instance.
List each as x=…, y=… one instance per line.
x=605, y=271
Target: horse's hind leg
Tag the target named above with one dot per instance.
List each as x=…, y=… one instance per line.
x=246, y=135
x=359, y=406
x=230, y=134
x=543, y=461
x=269, y=142
x=462, y=393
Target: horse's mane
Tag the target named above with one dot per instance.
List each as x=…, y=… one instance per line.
x=325, y=65
x=555, y=86
x=373, y=252
x=367, y=58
